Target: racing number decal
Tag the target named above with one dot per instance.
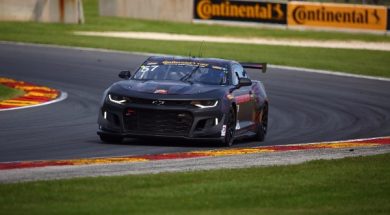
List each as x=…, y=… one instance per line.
x=145, y=69
x=223, y=131
x=238, y=121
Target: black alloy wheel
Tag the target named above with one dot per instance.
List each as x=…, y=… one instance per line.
x=230, y=129
x=262, y=125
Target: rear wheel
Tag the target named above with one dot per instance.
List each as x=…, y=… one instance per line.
x=110, y=138
x=230, y=129
x=261, y=128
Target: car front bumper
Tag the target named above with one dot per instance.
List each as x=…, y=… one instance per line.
x=140, y=120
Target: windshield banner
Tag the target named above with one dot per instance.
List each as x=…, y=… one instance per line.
x=328, y=15
x=243, y=11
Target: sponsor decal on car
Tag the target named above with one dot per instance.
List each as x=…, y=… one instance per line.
x=223, y=131
x=238, y=127
x=243, y=98
x=161, y=91
x=158, y=102
x=230, y=96
x=192, y=63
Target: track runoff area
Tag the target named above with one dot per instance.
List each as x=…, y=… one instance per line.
x=12, y=172
x=348, y=144
x=245, y=156
x=40, y=95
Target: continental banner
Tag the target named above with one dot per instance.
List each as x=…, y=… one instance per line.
x=243, y=11
x=337, y=16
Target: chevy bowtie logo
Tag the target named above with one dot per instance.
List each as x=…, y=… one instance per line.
x=160, y=91
x=158, y=102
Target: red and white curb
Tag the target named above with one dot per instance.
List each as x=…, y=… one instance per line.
x=34, y=95
x=359, y=143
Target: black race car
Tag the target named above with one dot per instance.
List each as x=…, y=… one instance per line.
x=192, y=98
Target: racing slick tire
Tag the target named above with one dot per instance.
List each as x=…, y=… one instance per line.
x=261, y=128
x=110, y=138
x=228, y=139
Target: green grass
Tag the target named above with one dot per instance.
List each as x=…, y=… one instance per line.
x=374, y=63
x=96, y=23
x=7, y=92
x=348, y=186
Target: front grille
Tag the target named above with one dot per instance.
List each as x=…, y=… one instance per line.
x=158, y=122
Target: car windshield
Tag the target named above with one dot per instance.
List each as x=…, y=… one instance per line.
x=182, y=71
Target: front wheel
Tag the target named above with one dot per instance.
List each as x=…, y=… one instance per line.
x=261, y=128
x=110, y=138
x=230, y=129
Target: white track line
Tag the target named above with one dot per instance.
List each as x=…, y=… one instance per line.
x=78, y=48
x=328, y=72
x=337, y=44
x=232, y=148
x=337, y=141
x=280, y=158
x=62, y=97
x=299, y=69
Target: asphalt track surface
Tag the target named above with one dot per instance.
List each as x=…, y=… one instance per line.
x=304, y=107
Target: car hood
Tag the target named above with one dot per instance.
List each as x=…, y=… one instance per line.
x=164, y=87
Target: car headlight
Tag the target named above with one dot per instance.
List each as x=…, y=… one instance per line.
x=117, y=99
x=205, y=103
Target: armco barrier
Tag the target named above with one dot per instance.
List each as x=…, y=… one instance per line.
x=242, y=11
x=168, y=10
x=63, y=11
x=337, y=16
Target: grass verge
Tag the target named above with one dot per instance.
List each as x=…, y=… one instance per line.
x=375, y=63
x=7, y=92
x=348, y=186
x=95, y=22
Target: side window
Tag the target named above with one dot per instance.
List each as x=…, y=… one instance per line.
x=238, y=72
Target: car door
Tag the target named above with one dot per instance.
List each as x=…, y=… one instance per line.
x=244, y=99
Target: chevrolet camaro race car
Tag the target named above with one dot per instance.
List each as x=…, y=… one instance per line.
x=192, y=98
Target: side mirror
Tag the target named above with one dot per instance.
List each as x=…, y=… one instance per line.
x=125, y=74
x=244, y=82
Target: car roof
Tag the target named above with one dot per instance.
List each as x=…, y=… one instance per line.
x=213, y=61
